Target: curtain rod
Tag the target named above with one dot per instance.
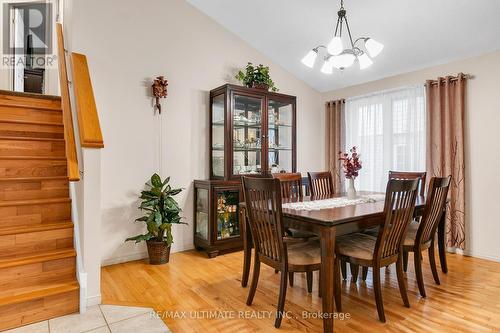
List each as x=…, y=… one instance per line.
x=453, y=78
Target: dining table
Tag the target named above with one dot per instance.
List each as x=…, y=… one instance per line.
x=328, y=223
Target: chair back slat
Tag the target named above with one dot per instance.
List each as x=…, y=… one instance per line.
x=321, y=183
x=398, y=213
x=291, y=185
x=411, y=175
x=434, y=209
x=263, y=203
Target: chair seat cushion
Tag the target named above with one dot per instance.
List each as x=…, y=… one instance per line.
x=299, y=233
x=304, y=253
x=411, y=233
x=358, y=245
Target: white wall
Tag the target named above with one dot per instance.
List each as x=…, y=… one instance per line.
x=482, y=137
x=128, y=43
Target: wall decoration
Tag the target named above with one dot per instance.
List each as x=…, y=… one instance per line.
x=159, y=90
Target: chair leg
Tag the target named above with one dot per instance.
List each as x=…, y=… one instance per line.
x=343, y=266
x=290, y=278
x=255, y=279
x=281, y=300
x=405, y=261
x=402, y=282
x=364, y=273
x=432, y=260
x=320, y=290
x=338, y=286
x=378, y=294
x=309, y=278
x=354, y=272
x=418, y=272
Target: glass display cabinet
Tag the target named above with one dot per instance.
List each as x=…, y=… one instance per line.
x=252, y=132
x=216, y=214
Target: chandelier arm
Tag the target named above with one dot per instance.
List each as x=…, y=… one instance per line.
x=349, y=32
x=337, y=27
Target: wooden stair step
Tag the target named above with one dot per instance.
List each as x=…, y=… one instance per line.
x=37, y=258
x=16, y=167
x=22, y=241
x=34, y=202
x=34, y=212
x=28, y=157
x=30, y=138
x=36, y=130
x=40, y=303
x=34, y=188
x=30, y=114
x=45, y=290
x=15, y=147
x=27, y=100
x=36, y=228
x=19, y=273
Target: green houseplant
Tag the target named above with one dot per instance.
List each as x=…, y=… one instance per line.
x=256, y=77
x=161, y=211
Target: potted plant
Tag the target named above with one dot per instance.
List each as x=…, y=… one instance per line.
x=351, y=165
x=256, y=77
x=161, y=211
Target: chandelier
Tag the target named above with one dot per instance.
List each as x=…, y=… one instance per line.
x=340, y=57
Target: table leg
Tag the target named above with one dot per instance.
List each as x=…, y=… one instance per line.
x=247, y=247
x=442, y=243
x=327, y=238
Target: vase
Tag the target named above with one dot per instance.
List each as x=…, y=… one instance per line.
x=351, y=190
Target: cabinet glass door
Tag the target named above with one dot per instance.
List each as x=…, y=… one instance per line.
x=228, y=225
x=280, y=136
x=202, y=213
x=247, y=135
x=218, y=112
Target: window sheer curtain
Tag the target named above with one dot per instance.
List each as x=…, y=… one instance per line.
x=389, y=130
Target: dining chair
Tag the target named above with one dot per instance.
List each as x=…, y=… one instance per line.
x=321, y=183
x=272, y=247
x=366, y=251
x=420, y=236
x=291, y=189
x=398, y=175
x=410, y=175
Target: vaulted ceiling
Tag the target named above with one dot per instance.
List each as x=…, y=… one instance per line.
x=416, y=33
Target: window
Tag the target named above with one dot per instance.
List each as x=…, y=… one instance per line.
x=389, y=130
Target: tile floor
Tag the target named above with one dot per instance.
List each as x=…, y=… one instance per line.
x=101, y=319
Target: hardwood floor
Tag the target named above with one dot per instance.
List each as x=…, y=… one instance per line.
x=468, y=299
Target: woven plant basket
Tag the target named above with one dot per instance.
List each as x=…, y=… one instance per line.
x=159, y=252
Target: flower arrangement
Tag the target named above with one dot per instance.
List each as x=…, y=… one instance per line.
x=350, y=163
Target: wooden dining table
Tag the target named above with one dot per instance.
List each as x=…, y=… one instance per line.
x=329, y=223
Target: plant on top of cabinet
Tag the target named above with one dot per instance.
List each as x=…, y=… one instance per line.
x=161, y=211
x=256, y=77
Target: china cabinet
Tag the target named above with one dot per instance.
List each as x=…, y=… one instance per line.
x=252, y=132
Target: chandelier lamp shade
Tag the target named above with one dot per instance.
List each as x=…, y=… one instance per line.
x=340, y=56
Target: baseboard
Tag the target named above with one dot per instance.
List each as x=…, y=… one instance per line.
x=138, y=256
x=480, y=256
x=93, y=300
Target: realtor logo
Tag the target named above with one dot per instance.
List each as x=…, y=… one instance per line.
x=27, y=29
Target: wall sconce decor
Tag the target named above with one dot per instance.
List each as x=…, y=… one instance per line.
x=159, y=90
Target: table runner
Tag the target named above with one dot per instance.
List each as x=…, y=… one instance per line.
x=333, y=202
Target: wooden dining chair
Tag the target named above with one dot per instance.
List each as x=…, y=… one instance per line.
x=291, y=189
x=321, y=183
x=272, y=247
x=411, y=175
x=420, y=236
x=366, y=251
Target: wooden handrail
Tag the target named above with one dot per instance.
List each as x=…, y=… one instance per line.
x=88, y=119
x=69, y=133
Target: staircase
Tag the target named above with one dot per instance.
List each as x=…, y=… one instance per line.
x=37, y=256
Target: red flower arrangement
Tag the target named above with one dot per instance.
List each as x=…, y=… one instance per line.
x=350, y=164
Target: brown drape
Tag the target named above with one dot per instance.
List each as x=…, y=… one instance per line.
x=334, y=139
x=445, y=147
